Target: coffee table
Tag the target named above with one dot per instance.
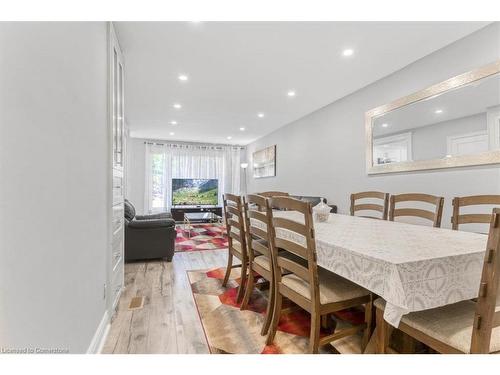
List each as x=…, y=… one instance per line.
x=199, y=217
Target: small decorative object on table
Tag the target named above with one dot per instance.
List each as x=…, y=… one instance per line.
x=321, y=211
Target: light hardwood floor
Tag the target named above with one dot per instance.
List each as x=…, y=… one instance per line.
x=168, y=322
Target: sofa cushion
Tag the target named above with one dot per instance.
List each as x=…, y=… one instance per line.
x=313, y=200
x=151, y=224
x=129, y=210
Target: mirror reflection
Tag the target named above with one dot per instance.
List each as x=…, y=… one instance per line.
x=462, y=121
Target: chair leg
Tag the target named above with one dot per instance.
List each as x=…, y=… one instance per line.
x=249, y=288
x=314, y=336
x=324, y=321
x=269, y=312
x=408, y=345
x=241, y=289
x=228, y=269
x=383, y=333
x=275, y=318
x=368, y=320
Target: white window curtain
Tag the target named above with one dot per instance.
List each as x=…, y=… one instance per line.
x=167, y=161
x=155, y=187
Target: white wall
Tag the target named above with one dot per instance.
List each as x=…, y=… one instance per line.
x=323, y=153
x=431, y=141
x=53, y=183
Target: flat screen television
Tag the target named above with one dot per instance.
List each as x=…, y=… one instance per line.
x=195, y=192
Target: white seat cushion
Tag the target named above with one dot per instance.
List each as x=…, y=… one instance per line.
x=451, y=324
x=237, y=247
x=263, y=261
x=332, y=287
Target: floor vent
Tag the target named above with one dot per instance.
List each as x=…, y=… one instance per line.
x=136, y=303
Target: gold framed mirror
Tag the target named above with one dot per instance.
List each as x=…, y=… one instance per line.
x=451, y=124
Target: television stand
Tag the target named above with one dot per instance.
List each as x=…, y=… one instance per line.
x=179, y=211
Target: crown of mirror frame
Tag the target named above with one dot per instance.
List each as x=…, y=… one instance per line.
x=454, y=123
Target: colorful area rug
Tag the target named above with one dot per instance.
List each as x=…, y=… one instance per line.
x=231, y=330
x=198, y=237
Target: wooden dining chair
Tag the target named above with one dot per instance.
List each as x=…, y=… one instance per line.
x=258, y=224
x=474, y=200
x=237, y=245
x=316, y=290
x=382, y=208
x=271, y=194
x=463, y=327
x=434, y=216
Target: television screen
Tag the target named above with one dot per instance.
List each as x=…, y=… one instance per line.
x=195, y=192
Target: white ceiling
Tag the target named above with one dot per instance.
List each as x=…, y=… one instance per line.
x=238, y=69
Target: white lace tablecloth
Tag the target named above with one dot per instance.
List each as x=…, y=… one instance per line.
x=412, y=267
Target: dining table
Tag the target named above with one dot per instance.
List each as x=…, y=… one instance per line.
x=412, y=267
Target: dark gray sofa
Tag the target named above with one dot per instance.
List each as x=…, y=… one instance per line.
x=148, y=236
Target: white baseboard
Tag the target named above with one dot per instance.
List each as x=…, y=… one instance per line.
x=100, y=335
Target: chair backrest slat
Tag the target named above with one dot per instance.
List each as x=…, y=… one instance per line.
x=294, y=267
x=260, y=249
x=257, y=232
x=369, y=194
x=434, y=216
x=235, y=223
x=382, y=208
x=415, y=212
x=232, y=210
x=472, y=218
x=271, y=194
x=291, y=247
x=258, y=215
x=417, y=197
x=486, y=317
x=287, y=224
x=369, y=207
x=235, y=236
x=474, y=200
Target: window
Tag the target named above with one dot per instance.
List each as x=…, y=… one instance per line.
x=165, y=162
x=392, y=149
x=157, y=181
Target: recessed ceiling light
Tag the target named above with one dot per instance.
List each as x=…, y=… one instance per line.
x=183, y=77
x=177, y=106
x=348, y=52
x=260, y=115
x=171, y=133
x=291, y=93
x=438, y=111
x=385, y=125
x=229, y=137
x=173, y=122
x=242, y=129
